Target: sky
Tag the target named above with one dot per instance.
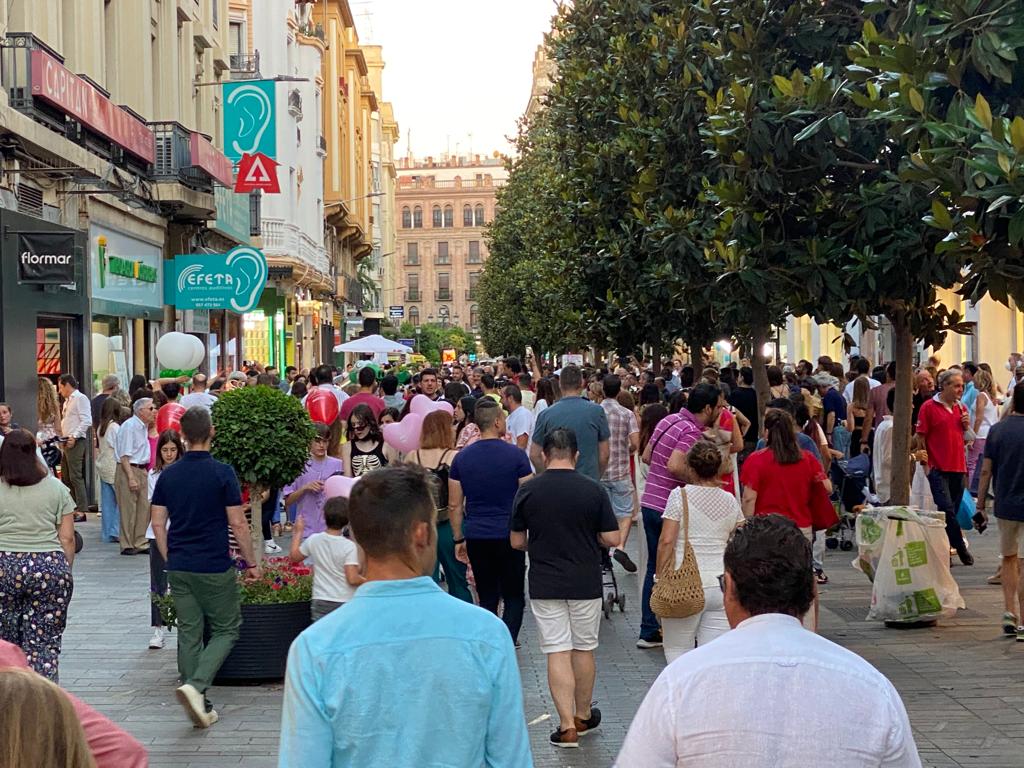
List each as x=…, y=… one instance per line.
x=457, y=71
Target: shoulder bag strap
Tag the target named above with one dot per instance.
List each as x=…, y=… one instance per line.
x=441, y=462
x=686, y=519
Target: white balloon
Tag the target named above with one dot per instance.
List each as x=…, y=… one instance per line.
x=100, y=352
x=198, y=351
x=174, y=350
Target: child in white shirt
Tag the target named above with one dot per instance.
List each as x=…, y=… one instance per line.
x=335, y=559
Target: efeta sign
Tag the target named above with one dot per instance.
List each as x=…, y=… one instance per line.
x=232, y=280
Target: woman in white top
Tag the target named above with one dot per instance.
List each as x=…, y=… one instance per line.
x=106, y=464
x=169, y=449
x=986, y=413
x=713, y=514
x=547, y=395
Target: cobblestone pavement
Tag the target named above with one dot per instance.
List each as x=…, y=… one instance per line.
x=962, y=682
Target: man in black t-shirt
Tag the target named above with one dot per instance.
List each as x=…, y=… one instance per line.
x=744, y=400
x=564, y=519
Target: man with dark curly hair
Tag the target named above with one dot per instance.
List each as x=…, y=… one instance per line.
x=762, y=694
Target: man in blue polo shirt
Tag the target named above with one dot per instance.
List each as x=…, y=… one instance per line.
x=194, y=502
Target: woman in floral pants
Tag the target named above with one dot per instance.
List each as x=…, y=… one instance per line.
x=37, y=547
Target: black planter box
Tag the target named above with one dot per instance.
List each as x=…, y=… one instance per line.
x=261, y=653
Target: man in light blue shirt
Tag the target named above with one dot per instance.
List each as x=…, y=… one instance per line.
x=403, y=674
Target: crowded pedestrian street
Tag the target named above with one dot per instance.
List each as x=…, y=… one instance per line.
x=958, y=681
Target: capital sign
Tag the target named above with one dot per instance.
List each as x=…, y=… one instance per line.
x=232, y=280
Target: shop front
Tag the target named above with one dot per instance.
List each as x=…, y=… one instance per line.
x=126, y=275
x=44, y=308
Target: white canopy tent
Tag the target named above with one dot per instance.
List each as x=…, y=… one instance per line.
x=374, y=345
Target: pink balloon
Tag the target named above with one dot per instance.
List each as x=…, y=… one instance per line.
x=404, y=436
x=423, y=405
x=339, y=485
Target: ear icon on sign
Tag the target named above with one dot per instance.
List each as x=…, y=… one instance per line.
x=250, y=269
x=255, y=112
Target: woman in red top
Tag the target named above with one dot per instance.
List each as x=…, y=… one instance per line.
x=781, y=478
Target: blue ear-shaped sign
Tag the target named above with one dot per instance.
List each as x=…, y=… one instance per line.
x=249, y=266
x=232, y=280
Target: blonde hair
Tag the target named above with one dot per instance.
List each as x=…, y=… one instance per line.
x=47, y=404
x=861, y=390
x=983, y=383
x=38, y=724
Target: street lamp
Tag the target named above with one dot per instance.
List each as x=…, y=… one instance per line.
x=417, y=339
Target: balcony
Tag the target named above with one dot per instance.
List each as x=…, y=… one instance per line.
x=285, y=240
x=295, y=104
x=443, y=294
x=412, y=261
x=174, y=157
x=245, y=66
x=413, y=294
x=443, y=261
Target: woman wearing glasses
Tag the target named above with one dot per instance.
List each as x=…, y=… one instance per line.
x=365, y=450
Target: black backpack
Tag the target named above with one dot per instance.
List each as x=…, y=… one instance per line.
x=439, y=483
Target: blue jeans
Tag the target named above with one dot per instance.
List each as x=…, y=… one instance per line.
x=948, y=490
x=649, y=625
x=110, y=527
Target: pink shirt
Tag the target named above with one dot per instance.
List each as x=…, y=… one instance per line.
x=110, y=746
x=676, y=432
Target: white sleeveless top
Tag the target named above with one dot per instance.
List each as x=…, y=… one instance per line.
x=989, y=417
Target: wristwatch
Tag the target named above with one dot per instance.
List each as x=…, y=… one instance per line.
x=459, y=541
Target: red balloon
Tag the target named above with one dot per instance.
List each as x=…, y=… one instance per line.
x=169, y=417
x=322, y=406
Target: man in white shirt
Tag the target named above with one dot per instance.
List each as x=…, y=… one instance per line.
x=519, y=425
x=131, y=478
x=762, y=695
x=881, y=452
x=198, y=396
x=322, y=377
x=74, y=425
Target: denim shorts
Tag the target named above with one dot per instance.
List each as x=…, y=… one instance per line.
x=620, y=492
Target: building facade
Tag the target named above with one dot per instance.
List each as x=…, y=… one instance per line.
x=443, y=208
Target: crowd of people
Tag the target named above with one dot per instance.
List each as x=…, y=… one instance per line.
x=556, y=466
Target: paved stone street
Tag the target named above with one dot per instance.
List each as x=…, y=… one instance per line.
x=963, y=683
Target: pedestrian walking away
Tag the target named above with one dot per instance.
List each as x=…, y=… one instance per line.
x=562, y=519
x=587, y=421
x=623, y=441
x=459, y=701
x=195, y=501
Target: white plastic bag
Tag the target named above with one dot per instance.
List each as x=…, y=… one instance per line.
x=905, y=553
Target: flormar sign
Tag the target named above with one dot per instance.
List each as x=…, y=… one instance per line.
x=232, y=280
x=46, y=258
x=53, y=82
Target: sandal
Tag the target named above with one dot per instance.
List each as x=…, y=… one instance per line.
x=1009, y=624
x=820, y=576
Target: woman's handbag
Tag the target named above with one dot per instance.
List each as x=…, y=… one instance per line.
x=678, y=592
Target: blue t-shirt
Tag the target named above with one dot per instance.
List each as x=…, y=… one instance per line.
x=833, y=402
x=586, y=419
x=1005, y=447
x=196, y=491
x=803, y=440
x=489, y=471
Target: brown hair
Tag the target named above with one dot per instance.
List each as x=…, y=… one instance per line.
x=704, y=459
x=19, y=464
x=38, y=724
x=437, y=431
x=47, y=404
x=111, y=411
x=626, y=400
x=167, y=436
x=861, y=391
x=781, y=439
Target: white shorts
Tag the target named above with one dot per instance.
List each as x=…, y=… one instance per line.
x=567, y=625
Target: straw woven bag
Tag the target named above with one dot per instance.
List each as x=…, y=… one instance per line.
x=679, y=593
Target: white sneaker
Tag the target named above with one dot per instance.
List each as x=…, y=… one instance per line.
x=157, y=640
x=271, y=547
x=195, y=705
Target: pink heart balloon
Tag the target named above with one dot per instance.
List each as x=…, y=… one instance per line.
x=404, y=436
x=444, y=405
x=339, y=485
x=423, y=405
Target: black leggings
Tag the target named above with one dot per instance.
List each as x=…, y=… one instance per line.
x=500, y=572
x=269, y=507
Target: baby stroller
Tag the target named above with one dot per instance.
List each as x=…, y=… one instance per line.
x=610, y=587
x=849, y=487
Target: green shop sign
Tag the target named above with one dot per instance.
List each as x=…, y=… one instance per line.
x=232, y=214
x=232, y=280
x=125, y=271
x=133, y=270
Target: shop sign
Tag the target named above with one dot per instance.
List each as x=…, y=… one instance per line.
x=232, y=280
x=249, y=119
x=54, y=83
x=210, y=159
x=125, y=269
x=257, y=172
x=46, y=258
x=232, y=214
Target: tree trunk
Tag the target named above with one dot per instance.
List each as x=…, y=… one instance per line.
x=696, y=356
x=256, y=520
x=760, y=366
x=902, y=410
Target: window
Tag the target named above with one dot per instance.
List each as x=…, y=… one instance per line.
x=435, y=220
x=417, y=217
x=443, y=257
x=414, y=315
x=406, y=218
x=474, y=283
x=412, y=255
x=474, y=317
x=467, y=216
x=444, y=287
x=412, y=287
x=449, y=216
x=478, y=216
x=236, y=38
x=474, y=252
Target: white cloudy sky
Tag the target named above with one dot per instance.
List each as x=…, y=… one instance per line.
x=457, y=71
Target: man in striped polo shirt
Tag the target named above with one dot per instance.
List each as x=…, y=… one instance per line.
x=675, y=434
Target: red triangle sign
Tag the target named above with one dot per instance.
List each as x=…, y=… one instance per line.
x=257, y=172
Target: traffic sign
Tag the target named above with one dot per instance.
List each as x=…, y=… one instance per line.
x=396, y=312
x=407, y=342
x=257, y=172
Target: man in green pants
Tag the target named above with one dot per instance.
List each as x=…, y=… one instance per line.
x=194, y=502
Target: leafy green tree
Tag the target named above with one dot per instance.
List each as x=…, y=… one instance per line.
x=433, y=337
